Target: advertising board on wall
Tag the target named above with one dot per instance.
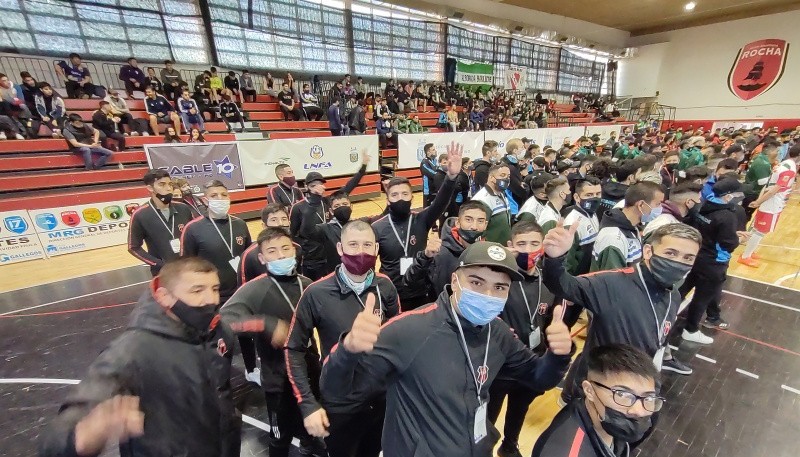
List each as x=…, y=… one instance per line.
x=411, y=147
x=199, y=163
x=18, y=240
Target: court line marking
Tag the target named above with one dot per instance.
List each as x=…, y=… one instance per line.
x=68, y=311
x=790, y=389
x=753, y=340
x=761, y=282
x=780, y=280
x=747, y=373
x=72, y=277
x=767, y=302
x=707, y=359
x=8, y=313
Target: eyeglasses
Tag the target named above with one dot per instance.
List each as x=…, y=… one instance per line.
x=652, y=403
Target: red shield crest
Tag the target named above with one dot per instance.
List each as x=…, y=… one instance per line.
x=483, y=374
x=130, y=208
x=222, y=348
x=70, y=218
x=239, y=240
x=758, y=66
x=542, y=308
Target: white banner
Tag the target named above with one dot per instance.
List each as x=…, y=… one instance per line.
x=411, y=147
x=555, y=136
x=736, y=125
x=334, y=156
x=503, y=136
x=84, y=227
x=516, y=78
x=18, y=240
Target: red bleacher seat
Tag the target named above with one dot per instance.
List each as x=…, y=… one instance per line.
x=299, y=134
x=265, y=116
x=60, y=178
x=265, y=98
x=94, y=103
x=63, y=160
x=293, y=125
x=272, y=106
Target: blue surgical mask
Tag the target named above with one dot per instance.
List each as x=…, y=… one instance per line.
x=654, y=213
x=477, y=308
x=282, y=267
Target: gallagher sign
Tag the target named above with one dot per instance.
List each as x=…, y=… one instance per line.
x=758, y=66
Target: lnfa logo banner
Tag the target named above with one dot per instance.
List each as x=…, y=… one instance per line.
x=758, y=66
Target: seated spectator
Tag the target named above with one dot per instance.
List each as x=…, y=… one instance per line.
x=441, y=122
x=348, y=90
x=398, y=102
x=51, y=109
x=402, y=124
x=310, y=104
x=84, y=140
x=119, y=108
x=452, y=118
x=476, y=119
x=360, y=87
x=9, y=127
x=387, y=135
x=153, y=81
x=289, y=79
x=196, y=136
x=110, y=126
x=437, y=100
x=189, y=112
x=77, y=80
x=357, y=120
x=271, y=84
x=248, y=86
x=216, y=86
x=337, y=91
x=382, y=106
x=335, y=118
x=171, y=136
x=13, y=99
x=492, y=123
x=30, y=87
x=202, y=84
x=508, y=123
x=203, y=104
x=171, y=80
x=132, y=76
x=421, y=95
x=415, y=126
x=230, y=112
x=390, y=87
x=232, y=84
x=287, y=104
x=160, y=110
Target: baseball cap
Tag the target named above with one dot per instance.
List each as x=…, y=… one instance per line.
x=314, y=176
x=565, y=164
x=492, y=255
x=728, y=185
x=539, y=161
x=526, y=140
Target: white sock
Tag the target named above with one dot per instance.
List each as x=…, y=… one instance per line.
x=752, y=244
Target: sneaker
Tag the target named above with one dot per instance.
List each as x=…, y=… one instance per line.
x=254, y=376
x=134, y=133
x=146, y=134
x=18, y=136
x=749, y=261
x=717, y=323
x=3, y=136
x=674, y=365
x=697, y=337
x=507, y=449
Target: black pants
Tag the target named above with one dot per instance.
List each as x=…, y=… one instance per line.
x=357, y=434
x=172, y=92
x=249, y=95
x=387, y=142
x=116, y=136
x=248, y=347
x=335, y=132
x=286, y=422
x=314, y=271
x=131, y=87
x=707, y=280
x=313, y=111
x=294, y=113
x=427, y=200
x=520, y=398
x=75, y=90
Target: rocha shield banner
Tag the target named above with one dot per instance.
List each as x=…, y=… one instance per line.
x=758, y=66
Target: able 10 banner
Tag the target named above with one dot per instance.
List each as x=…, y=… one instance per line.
x=199, y=163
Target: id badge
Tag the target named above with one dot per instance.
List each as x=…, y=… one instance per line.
x=535, y=337
x=234, y=263
x=405, y=264
x=659, y=358
x=175, y=244
x=479, y=431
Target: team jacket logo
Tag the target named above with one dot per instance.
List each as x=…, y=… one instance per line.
x=70, y=218
x=758, y=66
x=483, y=374
x=222, y=348
x=239, y=240
x=542, y=308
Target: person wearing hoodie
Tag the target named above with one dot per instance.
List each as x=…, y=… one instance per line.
x=692, y=155
x=684, y=202
x=557, y=191
x=515, y=151
x=480, y=167
x=428, y=168
x=535, y=204
x=433, y=267
x=619, y=244
x=152, y=389
x=493, y=195
x=614, y=189
x=51, y=109
x=584, y=214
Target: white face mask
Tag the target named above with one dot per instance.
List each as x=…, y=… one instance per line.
x=218, y=208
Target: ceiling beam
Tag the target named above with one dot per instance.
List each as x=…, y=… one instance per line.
x=707, y=20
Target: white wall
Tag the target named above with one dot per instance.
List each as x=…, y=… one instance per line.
x=694, y=67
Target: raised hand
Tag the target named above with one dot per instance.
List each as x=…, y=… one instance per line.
x=366, y=328
x=112, y=421
x=365, y=157
x=454, y=153
x=559, y=240
x=558, y=338
x=433, y=246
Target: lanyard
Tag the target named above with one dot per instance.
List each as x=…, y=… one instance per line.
x=659, y=327
x=285, y=297
x=524, y=297
x=478, y=384
x=291, y=199
x=230, y=227
x=380, y=302
x=321, y=218
x=171, y=230
x=397, y=235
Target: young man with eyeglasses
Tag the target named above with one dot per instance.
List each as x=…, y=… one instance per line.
x=620, y=395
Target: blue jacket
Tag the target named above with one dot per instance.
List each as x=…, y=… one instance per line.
x=384, y=127
x=476, y=117
x=334, y=118
x=185, y=105
x=127, y=72
x=428, y=169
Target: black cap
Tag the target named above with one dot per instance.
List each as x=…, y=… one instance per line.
x=539, y=181
x=526, y=140
x=314, y=176
x=539, y=161
x=565, y=164
x=727, y=186
x=492, y=255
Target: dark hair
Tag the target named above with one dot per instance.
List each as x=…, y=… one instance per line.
x=553, y=184
x=166, y=62
x=131, y=58
x=75, y=117
x=213, y=69
x=474, y=204
x=727, y=164
x=103, y=103
x=540, y=181
x=280, y=167
x=522, y=227
x=428, y=147
x=154, y=175
x=794, y=151
x=496, y=167
x=488, y=146
x=396, y=181
x=587, y=181
x=270, y=210
x=74, y=54
x=24, y=74
x=338, y=195
x=642, y=191
x=214, y=183
x=272, y=233
x=626, y=169
x=171, y=272
x=687, y=187
x=603, y=169
x=621, y=358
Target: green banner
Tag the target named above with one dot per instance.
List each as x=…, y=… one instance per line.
x=476, y=74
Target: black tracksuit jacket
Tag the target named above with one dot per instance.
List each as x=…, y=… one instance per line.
x=284, y=195
x=329, y=306
x=419, y=362
x=572, y=434
x=518, y=315
x=201, y=239
x=250, y=267
x=432, y=274
x=328, y=234
x=182, y=380
x=148, y=226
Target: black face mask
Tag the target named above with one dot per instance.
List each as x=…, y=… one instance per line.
x=668, y=272
x=623, y=427
x=470, y=236
x=313, y=199
x=400, y=209
x=197, y=318
x=671, y=167
x=164, y=198
x=694, y=211
x=590, y=205
x=342, y=214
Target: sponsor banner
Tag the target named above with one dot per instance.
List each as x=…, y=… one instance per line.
x=555, y=136
x=18, y=240
x=516, y=78
x=503, y=136
x=334, y=156
x=736, y=125
x=605, y=131
x=83, y=227
x=411, y=147
x=476, y=74
x=199, y=163
x=757, y=67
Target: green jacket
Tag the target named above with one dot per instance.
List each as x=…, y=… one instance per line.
x=758, y=174
x=691, y=157
x=625, y=153
x=404, y=126
x=415, y=127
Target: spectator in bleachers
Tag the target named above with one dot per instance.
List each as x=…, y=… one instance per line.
x=202, y=83
x=415, y=126
x=335, y=118
x=85, y=140
x=452, y=118
x=232, y=84
x=51, y=109
x=403, y=102
x=189, y=112
x=508, y=123
x=421, y=96
x=30, y=87
x=476, y=119
x=289, y=79
x=13, y=100
x=196, y=136
x=441, y=121
x=336, y=91
x=216, y=85
x=132, y=76
x=271, y=84
x=437, y=100
x=310, y=104
x=153, y=81
x=390, y=87
x=160, y=110
x=77, y=79
x=402, y=123
x=172, y=80
x=348, y=90
x=387, y=135
x=230, y=112
x=203, y=104
x=119, y=108
x=287, y=104
x=109, y=125
x=248, y=86
x=171, y=136
x=360, y=87
x=9, y=127
x=357, y=120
